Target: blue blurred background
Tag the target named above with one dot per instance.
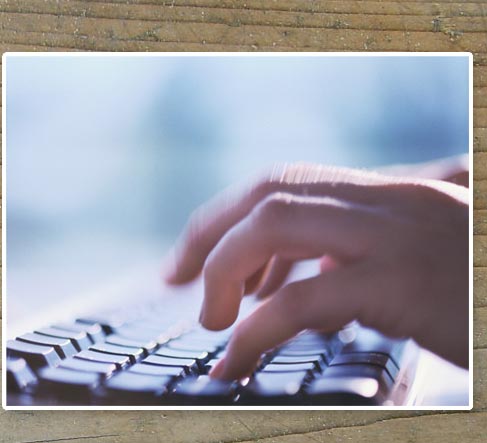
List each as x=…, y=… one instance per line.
x=108, y=155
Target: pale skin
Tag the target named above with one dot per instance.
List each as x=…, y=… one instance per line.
x=394, y=256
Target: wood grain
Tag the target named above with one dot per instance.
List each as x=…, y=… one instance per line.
x=276, y=25
x=480, y=287
x=175, y=427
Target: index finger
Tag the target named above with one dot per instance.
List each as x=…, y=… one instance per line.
x=327, y=302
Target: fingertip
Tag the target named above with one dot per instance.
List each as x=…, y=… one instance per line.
x=223, y=371
x=169, y=268
x=170, y=278
x=177, y=268
x=221, y=304
x=213, y=323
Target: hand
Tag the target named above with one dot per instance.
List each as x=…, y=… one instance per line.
x=400, y=246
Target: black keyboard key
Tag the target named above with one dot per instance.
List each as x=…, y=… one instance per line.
x=193, y=346
x=297, y=344
x=311, y=338
x=200, y=357
x=348, y=391
x=19, y=375
x=203, y=390
x=370, y=358
x=133, y=382
x=147, y=345
x=189, y=365
x=103, y=369
x=298, y=351
x=132, y=388
x=368, y=340
x=297, y=367
x=345, y=390
x=36, y=356
x=169, y=371
x=72, y=386
x=325, y=354
x=317, y=360
x=79, y=339
x=327, y=348
x=361, y=370
x=63, y=346
x=354, y=384
x=135, y=354
x=120, y=361
x=94, y=332
x=109, y=325
x=274, y=388
x=176, y=353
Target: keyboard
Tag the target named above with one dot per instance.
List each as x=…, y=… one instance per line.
x=146, y=355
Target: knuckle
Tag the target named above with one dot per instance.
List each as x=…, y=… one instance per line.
x=274, y=208
x=266, y=184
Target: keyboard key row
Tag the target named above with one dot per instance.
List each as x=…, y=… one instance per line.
x=94, y=331
x=155, y=384
x=36, y=355
x=148, y=346
x=63, y=346
x=131, y=365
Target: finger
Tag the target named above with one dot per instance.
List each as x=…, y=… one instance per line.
x=327, y=301
x=211, y=221
x=256, y=279
x=309, y=227
x=278, y=272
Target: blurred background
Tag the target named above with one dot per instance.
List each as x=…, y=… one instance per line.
x=107, y=156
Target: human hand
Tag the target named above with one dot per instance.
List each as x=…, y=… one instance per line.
x=400, y=244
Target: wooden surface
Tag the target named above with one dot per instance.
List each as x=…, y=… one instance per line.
x=280, y=25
